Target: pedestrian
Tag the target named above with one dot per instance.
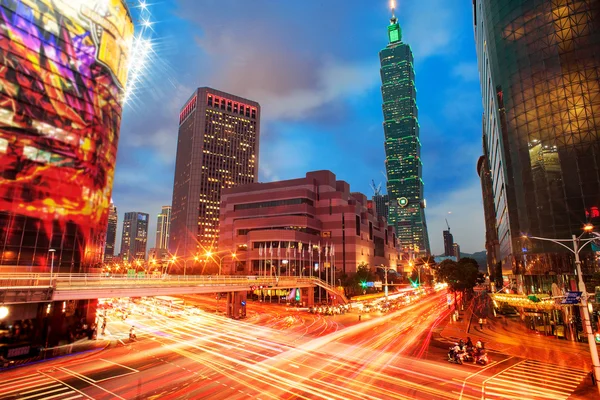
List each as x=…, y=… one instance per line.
x=481, y=323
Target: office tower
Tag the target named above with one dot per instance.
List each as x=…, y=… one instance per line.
x=456, y=251
x=538, y=65
x=217, y=148
x=381, y=204
x=402, y=145
x=163, y=227
x=59, y=128
x=134, y=237
x=111, y=233
x=448, y=243
x=491, y=234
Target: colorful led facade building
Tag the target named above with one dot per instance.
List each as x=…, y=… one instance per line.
x=402, y=145
x=538, y=64
x=217, y=148
x=134, y=236
x=64, y=70
x=111, y=233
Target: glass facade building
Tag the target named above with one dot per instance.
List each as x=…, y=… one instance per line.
x=111, y=234
x=539, y=64
x=217, y=148
x=163, y=228
x=135, y=236
x=402, y=146
x=64, y=69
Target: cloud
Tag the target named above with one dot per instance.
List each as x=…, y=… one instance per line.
x=467, y=71
x=429, y=26
x=466, y=220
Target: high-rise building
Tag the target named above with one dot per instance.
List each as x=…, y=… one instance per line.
x=448, y=243
x=163, y=227
x=456, y=251
x=217, y=148
x=491, y=234
x=66, y=64
x=135, y=236
x=111, y=233
x=538, y=65
x=381, y=204
x=402, y=145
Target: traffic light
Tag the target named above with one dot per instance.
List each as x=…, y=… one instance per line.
x=597, y=337
x=363, y=284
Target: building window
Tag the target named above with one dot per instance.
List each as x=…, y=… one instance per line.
x=274, y=203
x=370, y=231
x=357, y=225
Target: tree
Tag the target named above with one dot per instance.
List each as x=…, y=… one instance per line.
x=460, y=276
x=362, y=276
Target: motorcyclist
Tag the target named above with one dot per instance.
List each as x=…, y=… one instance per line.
x=469, y=343
x=454, y=351
x=132, y=333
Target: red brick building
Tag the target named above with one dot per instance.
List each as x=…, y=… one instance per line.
x=273, y=225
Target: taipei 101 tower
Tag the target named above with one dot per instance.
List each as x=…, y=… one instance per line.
x=402, y=146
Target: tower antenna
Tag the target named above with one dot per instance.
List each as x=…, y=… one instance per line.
x=393, y=7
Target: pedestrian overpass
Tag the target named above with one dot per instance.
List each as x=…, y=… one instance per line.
x=43, y=287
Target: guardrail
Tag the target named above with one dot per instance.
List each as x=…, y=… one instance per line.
x=62, y=282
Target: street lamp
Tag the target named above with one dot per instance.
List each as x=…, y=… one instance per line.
x=211, y=255
x=584, y=302
x=385, y=268
x=52, y=251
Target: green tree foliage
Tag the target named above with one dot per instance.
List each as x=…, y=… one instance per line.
x=460, y=276
x=363, y=274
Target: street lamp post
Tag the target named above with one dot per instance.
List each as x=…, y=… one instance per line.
x=584, y=302
x=52, y=251
x=185, y=264
x=210, y=254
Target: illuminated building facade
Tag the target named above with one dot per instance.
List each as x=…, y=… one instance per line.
x=539, y=64
x=111, y=233
x=64, y=68
x=289, y=226
x=491, y=233
x=134, y=236
x=402, y=145
x=217, y=148
x=163, y=228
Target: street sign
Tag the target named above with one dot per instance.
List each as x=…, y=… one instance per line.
x=243, y=303
x=572, y=298
x=378, y=284
x=370, y=284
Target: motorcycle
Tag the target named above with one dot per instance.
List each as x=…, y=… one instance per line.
x=482, y=358
x=456, y=357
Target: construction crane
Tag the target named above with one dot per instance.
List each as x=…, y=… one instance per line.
x=447, y=224
x=376, y=189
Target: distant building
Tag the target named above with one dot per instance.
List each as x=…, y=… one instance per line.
x=163, y=227
x=111, y=233
x=281, y=225
x=448, y=243
x=456, y=251
x=217, y=148
x=381, y=205
x=135, y=236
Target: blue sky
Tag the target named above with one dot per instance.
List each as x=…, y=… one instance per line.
x=313, y=66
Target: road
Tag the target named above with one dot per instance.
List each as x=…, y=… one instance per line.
x=279, y=353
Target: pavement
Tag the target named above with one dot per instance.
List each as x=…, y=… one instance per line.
x=535, y=354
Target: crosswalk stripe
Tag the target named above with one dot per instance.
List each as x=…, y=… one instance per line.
x=534, y=379
x=20, y=379
x=19, y=382
x=560, y=367
x=42, y=388
x=31, y=385
x=73, y=397
x=48, y=392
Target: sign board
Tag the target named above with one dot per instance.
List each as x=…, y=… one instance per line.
x=572, y=298
x=378, y=284
x=370, y=284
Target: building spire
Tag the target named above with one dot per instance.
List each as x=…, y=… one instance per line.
x=393, y=20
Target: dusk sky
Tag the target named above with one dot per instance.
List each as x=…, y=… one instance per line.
x=313, y=65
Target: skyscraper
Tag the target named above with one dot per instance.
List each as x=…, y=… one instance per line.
x=381, y=204
x=538, y=65
x=217, y=148
x=163, y=227
x=456, y=251
x=111, y=233
x=134, y=237
x=402, y=145
x=448, y=243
